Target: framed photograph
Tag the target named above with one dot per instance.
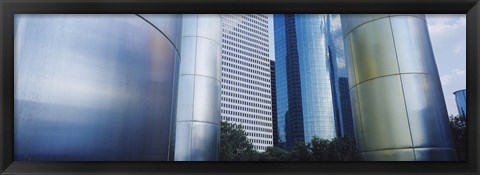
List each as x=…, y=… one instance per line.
x=274, y=87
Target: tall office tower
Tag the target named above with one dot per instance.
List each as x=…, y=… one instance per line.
x=397, y=100
x=274, y=104
x=339, y=77
x=304, y=75
x=246, y=93
x=461, y=99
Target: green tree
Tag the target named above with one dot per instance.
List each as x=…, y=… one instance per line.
x=274, y=154
x=343, y=149
x=337, y=149
x=320, y=149
x=301, y=152
x=234, y=145
x=459, y=134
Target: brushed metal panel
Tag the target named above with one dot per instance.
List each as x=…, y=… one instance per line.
x=412, y=42
x=185, y=97
x=189, y=55
x=183, y=146
x=357, y=119
x=189, y=25
x=427, y=111
x=383, y=114
x=355, y=20
x=205, y=141
x=207, y=100
x=169, y=24
x=389, y=155
x=89, y=86
x=435, y=154
x=373, y=51
x=422, y=16
x=204, y=62
x=208, y=23
x=207, y=58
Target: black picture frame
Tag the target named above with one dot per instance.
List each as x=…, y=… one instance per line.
x=10, y=7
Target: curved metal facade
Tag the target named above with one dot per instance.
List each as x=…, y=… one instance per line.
x=95, y=87
x=397, y=100
x=461, y=100
x=198, y=112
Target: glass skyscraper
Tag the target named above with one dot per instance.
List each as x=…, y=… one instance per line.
x=246, y=90
x=310, y=78
x=274, y=103
x=461, y=99
x=339, y=74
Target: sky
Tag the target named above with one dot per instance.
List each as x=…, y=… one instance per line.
x=448, y=38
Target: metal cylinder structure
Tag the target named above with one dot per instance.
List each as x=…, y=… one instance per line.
x=398, y=105
x=95, y=87
x=198, y=112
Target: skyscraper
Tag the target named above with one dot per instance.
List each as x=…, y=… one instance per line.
x=310, y=79
x=461, y=100
x=339, y=74
x=274, y=103
x=246, y=95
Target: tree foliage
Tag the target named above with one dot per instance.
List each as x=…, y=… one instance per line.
x=459, y=133
x=234, y=146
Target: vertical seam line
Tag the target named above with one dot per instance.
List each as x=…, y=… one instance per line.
x=194, y=77
x=356, y=93
x=403, y=90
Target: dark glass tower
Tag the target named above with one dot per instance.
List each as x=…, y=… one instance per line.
x=461, y=100
x=274, y=104
x=311, y=100
x=339, y=74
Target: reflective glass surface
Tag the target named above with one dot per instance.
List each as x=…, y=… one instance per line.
x=305, y=68
x=281, y=76
x=92, y=88
x=316, y=87
x=339, y=76
x=461, y=99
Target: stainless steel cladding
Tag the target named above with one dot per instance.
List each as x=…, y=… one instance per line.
x=95, y=87
x=198, y=113
x=397, y=100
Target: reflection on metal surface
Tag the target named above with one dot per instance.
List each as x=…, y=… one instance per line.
x=198, y=113
x=397, y=100
x=373, y=51
x=383, y=114
x=93, y=88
